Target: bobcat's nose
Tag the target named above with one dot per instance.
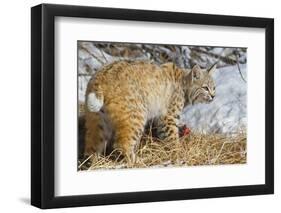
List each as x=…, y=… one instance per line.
x=211, y=97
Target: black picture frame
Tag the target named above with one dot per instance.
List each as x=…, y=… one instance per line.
x=43, y=105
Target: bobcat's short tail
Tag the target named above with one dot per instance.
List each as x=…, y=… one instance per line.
x=94, y=102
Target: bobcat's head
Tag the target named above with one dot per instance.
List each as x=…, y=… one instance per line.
x=200, y=85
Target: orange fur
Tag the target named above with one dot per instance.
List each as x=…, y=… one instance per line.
x=133, y=93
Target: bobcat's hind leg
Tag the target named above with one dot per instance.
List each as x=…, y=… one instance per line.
x=97, y=134
x=128, y=133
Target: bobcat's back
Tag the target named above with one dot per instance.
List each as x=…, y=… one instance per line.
x=140, y=85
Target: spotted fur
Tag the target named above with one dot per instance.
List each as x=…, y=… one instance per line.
x=123, y=96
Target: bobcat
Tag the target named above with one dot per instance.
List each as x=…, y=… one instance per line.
x=123, y=96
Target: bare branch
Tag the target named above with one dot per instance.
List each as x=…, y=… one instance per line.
x=85, y=74
x=103, y=55
x=94, y=56
x=239, y=69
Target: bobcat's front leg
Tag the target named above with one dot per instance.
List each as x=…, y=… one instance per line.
x=168, y=124
x=168, y=128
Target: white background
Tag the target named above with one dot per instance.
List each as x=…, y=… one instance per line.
x=70, y=182
x=15, y=106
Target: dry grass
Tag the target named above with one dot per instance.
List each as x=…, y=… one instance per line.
x=194, y=149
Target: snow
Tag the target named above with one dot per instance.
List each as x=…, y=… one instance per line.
x=82, y=86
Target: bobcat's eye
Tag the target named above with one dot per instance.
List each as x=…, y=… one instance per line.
x=205, y=88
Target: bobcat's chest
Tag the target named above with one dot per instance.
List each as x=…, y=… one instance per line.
x=156, y=109
x=158, y=102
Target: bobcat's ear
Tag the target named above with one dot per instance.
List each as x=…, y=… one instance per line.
x=196, y=72
x=212, y=69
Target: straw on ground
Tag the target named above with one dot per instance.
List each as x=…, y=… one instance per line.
x=193, y=150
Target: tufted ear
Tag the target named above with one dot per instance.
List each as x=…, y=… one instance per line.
x=212, y=69
x=196, y=72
